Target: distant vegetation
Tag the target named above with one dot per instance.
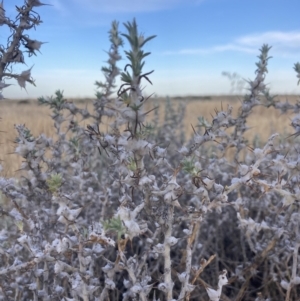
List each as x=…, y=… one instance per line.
x=114, y=201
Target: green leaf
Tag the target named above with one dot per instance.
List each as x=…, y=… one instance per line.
x=54, y=182
x=147, y=40
x=115, y=224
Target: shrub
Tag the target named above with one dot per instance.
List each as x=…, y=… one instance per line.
x=137, y=213
x=18, y=43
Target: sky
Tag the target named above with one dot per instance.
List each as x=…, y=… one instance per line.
x=196, y=41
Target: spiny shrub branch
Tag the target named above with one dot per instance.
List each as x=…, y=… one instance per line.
x=18, y=43
x=131, y=213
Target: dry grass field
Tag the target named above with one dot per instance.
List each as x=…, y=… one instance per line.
x=37, y=118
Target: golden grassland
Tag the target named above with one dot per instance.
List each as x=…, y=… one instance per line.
x=263, y=121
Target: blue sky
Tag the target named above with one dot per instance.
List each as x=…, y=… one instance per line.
x=196, y=41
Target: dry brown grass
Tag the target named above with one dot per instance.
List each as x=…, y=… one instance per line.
x=37, y=118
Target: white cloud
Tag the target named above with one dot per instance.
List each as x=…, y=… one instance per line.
x=289, y=39
x=121, y=6
x=214, y=49
x=286, y=44
x=59, y=6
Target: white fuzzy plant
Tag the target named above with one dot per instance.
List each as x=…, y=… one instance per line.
x=107, y=215
x=215, y=294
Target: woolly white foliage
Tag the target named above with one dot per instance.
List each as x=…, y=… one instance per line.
x=100, y=213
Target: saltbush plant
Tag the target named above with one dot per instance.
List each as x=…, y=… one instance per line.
x=136, y=212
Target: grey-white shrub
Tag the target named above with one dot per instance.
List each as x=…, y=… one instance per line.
x=140, y=213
